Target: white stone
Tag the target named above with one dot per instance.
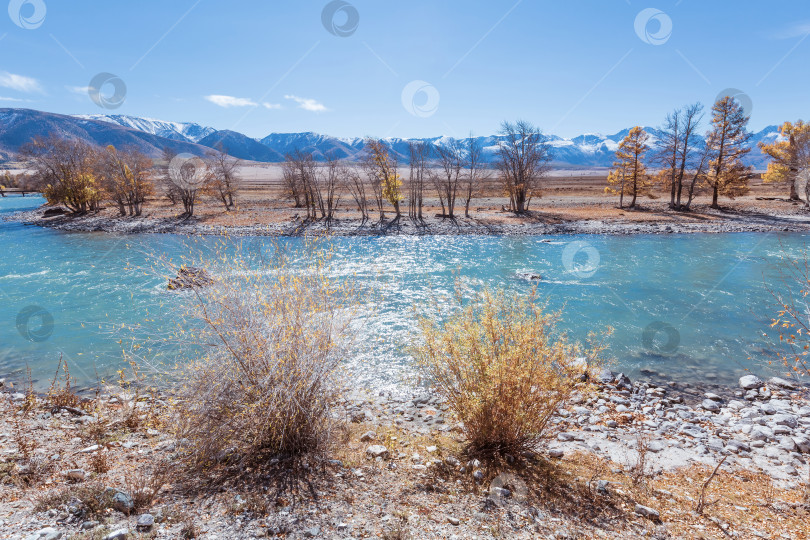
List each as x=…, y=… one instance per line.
x=750, y=382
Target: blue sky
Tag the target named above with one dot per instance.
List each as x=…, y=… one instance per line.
x=416, y=68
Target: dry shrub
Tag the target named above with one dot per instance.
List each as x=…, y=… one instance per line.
x=60, y=393
x=503, y=369
x=265, y=387
x=92, y=497
x=143, y=486
x=640, y=469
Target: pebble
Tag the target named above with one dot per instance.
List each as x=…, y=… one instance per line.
x=786, y=420
x=118, y=534
x=368, y=436
x=48, y=533
x=647, y=512
x=750, y=382
x=377, y=450
x=453, y=521
x=76, y=474
x=145, y=522
x=710, y=405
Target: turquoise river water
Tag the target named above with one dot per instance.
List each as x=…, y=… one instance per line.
x=690, y=307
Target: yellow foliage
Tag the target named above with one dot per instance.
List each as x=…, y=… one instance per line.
x=502, y=368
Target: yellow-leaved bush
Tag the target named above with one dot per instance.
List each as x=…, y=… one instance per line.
x=503, y=369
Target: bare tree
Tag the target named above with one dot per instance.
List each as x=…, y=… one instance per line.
x=225, y=181
x=476, y=171
x=451, y=161
x=186, y=177
x=356, y=185
x=302, y=171
x=680, y=152
x=419, y=156
x=523, y=161
x=291, y=181
x=328, y=182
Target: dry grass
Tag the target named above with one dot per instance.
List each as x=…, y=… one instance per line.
x=60, y=393
x=503, y=370
x=143, y=486
x=275, y=340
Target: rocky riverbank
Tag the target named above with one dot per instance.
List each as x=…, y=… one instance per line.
x=295, y=226
x=620, y=457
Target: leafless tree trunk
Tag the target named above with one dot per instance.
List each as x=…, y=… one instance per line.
x=523, y=161
x=451, y=162
x=186, y=177
x=329, y=181
x=356, y=185
x=301, y=179
x=225, y=181
x=419, y=153
x=476, y=172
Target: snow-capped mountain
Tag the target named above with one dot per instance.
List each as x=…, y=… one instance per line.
x=176, y=131
x=18, y=126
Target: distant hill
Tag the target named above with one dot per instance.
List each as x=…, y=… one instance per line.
x=241, y=146
x=18, y=126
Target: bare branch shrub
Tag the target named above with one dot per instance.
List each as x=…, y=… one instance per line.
x=265, y=388
x=225, y=181
x=502, y=368
x=143, y=486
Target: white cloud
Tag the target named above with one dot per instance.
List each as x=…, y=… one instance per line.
x=272, y=105
x=20, y=83
x=79, y=89
x=230, y=101
x=307, y=104
x=16, y=100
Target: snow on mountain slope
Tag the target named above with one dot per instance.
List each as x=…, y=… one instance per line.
x=586, y=150
x=176, y=131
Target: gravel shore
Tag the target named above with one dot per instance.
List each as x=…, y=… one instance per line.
x=724, y=223
x=400, y=472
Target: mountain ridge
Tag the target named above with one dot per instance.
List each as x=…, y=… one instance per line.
x=151, y=135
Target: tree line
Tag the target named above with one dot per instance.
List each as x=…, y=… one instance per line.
x=455, y=172
x=688, y=165
x=83, y=177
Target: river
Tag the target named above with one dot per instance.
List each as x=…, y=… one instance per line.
x=687, y=307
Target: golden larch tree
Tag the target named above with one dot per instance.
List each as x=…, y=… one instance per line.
x=728, y=142
x=790, y=157
x=630, y=174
